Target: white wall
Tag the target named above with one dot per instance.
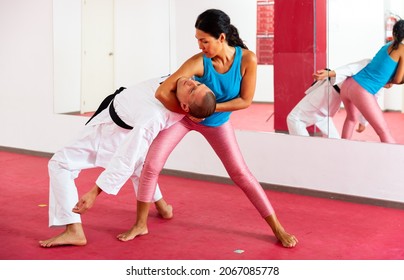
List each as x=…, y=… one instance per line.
x=67, y=55
x=28, y=122
x=26, y=79
x=139, y=25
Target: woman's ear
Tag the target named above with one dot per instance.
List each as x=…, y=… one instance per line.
x=222, y=37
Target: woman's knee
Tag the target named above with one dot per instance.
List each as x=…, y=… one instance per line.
x=242, y=178
x=151, y=168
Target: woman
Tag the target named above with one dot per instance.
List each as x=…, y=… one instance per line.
x=229, y=69
x=357, y=92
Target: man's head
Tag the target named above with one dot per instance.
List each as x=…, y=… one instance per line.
x=195, y=98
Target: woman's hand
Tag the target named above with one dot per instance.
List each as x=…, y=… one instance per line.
x=197, y=120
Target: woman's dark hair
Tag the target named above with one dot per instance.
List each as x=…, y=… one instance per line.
x=398, y=33
x=216, y=22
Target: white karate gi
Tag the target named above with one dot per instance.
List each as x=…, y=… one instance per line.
x=321, y=103
x=104, y=144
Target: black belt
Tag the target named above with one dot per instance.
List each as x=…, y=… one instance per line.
x=334, y=86
x=117, y=120
x=104, y=104
x=337, y=88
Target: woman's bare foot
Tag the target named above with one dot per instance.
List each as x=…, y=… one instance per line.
x=73, y=235
x=165, y=210
x=133, y=232
x=140, y=227
x=287, y=240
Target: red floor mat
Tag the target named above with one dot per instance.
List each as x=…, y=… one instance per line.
x=211, y=222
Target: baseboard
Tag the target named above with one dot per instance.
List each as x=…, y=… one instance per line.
x=26, y=152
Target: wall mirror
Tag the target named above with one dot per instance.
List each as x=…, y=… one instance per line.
x=357, y=35
x=99, y=45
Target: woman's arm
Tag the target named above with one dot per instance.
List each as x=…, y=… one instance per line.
x=248, y=83
x=399, y=75
x=165, y=93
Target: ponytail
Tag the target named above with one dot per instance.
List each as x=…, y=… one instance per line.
x=233, y=38
x=398, y=34
x=216, y=22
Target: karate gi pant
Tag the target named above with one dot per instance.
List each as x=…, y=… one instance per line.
x=305, y=115
x=317, y=107
x=95, y=147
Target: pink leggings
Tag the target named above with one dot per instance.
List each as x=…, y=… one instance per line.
x=223, y=141
x=357, y=100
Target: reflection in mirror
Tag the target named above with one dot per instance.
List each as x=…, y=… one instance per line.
x=358, y=35
x=346, y=37
x=368, y=29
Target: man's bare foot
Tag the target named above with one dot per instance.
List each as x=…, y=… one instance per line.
x=287, y=240
x=165, y=210
x=133, y=232
x=73, y=235
x=360, y=128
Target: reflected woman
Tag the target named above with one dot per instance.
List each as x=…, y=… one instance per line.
x=357, y=92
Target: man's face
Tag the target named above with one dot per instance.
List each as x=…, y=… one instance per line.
x=188, y=90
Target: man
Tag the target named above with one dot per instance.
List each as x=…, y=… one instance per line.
x=322, y=101
x=117, y=139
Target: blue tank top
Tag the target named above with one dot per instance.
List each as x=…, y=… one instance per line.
x=226, y=86
x=378, y=72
